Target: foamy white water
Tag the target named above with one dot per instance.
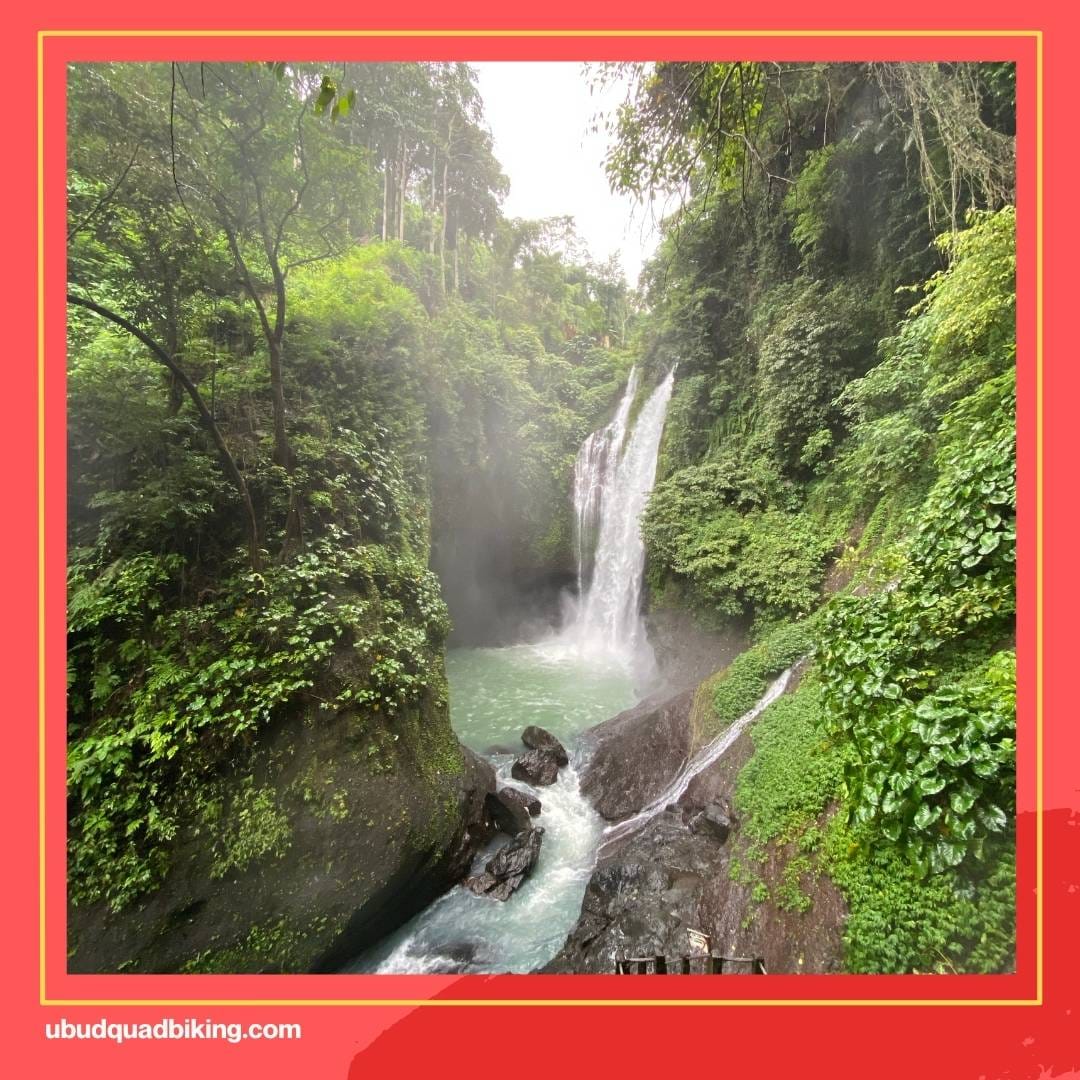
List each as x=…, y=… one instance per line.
x=494, y=693
x=613, y=478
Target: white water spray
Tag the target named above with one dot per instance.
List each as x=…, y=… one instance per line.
x=613, y=478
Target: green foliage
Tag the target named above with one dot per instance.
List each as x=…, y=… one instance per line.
x=711, y=525
x=900, y=922
x=812, y=342
x=174, y=690
x=796, y=771
x=789, y=895
x=961, y=334
x=737, y=689
x=275, y=945
x=931, y=721
x=254, y=826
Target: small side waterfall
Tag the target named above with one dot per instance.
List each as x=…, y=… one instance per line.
x=613, y=477
x=705, y=757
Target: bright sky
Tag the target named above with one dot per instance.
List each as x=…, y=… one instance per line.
x=539, y=114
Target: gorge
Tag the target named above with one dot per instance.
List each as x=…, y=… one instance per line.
x=369, y=477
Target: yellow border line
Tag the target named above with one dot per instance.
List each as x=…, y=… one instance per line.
x=408, y=1002
x=459, y=33
x=41, y=506
x=1038, y=1000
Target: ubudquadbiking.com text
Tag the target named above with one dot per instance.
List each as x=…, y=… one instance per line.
x=168, y=1028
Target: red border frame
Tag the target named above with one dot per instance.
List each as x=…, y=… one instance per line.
x=965, y=1021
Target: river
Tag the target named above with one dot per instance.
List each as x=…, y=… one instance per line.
x=597, y=664
x=494, y=693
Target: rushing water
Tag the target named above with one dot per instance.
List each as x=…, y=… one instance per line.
x=566, y=684
x=613, y=477
x=494, y=693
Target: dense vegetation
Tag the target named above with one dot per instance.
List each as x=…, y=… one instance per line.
x=838, y=289
x=294, y=338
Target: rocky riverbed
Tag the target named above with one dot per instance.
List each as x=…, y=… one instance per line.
x=674, y=873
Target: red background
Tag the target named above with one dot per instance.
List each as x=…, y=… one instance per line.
x=912, y=1039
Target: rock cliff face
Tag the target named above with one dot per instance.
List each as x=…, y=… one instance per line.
x=337, y=834
x=674, y=875
x=632, y=757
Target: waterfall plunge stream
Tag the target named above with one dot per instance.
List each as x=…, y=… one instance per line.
x=566, y=683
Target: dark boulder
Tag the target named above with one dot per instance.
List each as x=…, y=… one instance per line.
x=481, y=883
x=713, y=820
x=536, y=738
x=529, y=801
x=517, y=857
x=538, y=767
x=510, y=866
x=512, y=810
x=352, y=866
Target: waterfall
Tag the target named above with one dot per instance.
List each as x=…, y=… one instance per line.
x=598, y=456
x=613, y=477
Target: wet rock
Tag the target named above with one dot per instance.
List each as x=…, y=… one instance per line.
x=510, y=866
x=713, y=820
x=519, y=856
x=538, y=767
x=481, y=883
x=512, y=810
x=652, y=886
x=537, y=738
x=635, y=755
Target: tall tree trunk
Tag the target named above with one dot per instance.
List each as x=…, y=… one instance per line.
x=445, y=204
x=442, y=230
x=434, y=205
x=274, y=335
x=228, y=462
x=283, y=451
x=386, y=194
x=402, y=186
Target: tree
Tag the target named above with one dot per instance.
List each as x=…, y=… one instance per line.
x=228, y=462
x=252, y=158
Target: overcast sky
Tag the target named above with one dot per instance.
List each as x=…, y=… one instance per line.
x=539, y=115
